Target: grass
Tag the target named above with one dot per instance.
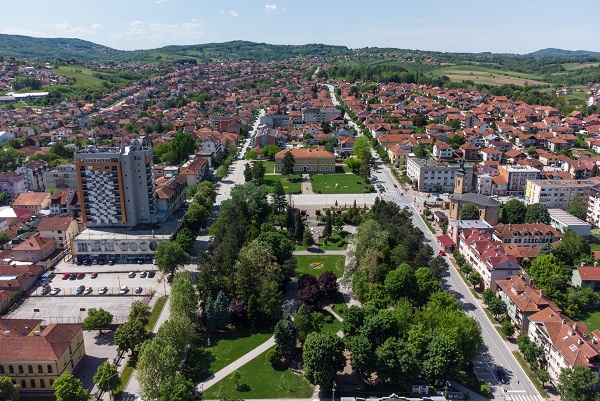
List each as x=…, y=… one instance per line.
x=530, y=373
x=82, y=75
x=262, y=381
x=125, y=377
x=335, y=242
x=592, y=320
x=156, y=311
x=333, y=327
x=342, y=169
x=229, y=346
x=292, y=186
x=334, y=263
x=346, y=184
x=427, y=223
x=269, y=166
x=484, y=75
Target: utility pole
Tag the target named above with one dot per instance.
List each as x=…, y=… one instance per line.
x=333, y=391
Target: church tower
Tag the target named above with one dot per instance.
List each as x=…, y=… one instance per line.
x=459, y=179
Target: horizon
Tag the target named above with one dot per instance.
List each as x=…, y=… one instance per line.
x=151, y=24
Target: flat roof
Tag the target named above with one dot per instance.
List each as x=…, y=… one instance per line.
x=470, y=223
x=566, y=218
x=566, y=183
x=432, y=163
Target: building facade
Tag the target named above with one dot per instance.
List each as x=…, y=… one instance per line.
x=433, y=176
x=62, y=177
x=116, y=185
x=307, y=160
x=516, y=178
x=558, y=193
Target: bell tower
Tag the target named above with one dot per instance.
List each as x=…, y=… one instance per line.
x=459, y=178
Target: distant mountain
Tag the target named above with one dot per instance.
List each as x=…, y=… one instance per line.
x=551, y=52
x=46, y=49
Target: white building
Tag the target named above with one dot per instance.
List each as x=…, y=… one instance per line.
x=558, y=194
x=560, y=220
x=433, y=176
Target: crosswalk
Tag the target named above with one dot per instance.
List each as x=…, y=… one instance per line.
x=522, y=397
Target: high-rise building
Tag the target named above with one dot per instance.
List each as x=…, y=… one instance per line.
x=116, y=185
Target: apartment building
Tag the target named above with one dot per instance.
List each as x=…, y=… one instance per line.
x=320, y=114
x=34, y=174
x=593, y=205
x=526, y=234
x=62, y=177
x=516, y=178
x=433, y=176
x=116, y=185
x=558, y=194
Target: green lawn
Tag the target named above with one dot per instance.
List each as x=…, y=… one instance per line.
x=333, y=326
x=262, y=381
x=229, y=346
x=334, y=263
x=156, y=311
x=338, y=241
x=592, y=320
x=294, y=185
x=82, y=75
x=342, y=168
x=346, y=184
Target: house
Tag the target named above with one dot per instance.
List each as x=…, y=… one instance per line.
x=170, y=195
x=468, y=151
x=60, y=229
x=527, y=234
x=514, y=155
x=307, y=160
x=65, y=202
x=32, y=201
x=491, y=154
x=442, y=150
x=194, y=171
x=587, y=276
x=34, y=249
x=34, y=356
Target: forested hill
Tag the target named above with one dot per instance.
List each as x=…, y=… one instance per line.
x=551, y=52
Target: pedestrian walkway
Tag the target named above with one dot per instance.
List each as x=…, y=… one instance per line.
x=320, y=252
x=522, y=397
x=306, y=185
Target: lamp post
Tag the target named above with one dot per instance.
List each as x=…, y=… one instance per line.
x=333, y=391
x=108, y=382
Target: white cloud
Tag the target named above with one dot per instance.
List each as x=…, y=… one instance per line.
x=96, y=26
x=154, y=34
x=233, y=13
x=271, y=8
x=65, y=29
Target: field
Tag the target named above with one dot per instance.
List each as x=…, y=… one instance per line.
x=320, y=263
x=292, y=186
x=482, y=75
x=592, y=320
x=346, y=184
x=82, y=75
x=227, y=347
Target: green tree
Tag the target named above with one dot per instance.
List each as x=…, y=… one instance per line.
x=513, y=212
x=323, y=358
x=181, y=146
x=288, y=164
x=400, y=283
x=353, y=163
x=362, y=149
x=247, y=172
x=469, y=211
x=303, y=323
x=4, y=197
x=508, y=329
x=427, y=284
x=474, y=279
x=537, y=213
x=270, y=151
x=441, y=360
x=278, y=202
x=107, y=377
x=185, y=239
x=258, y=171
x=69, y=388
x=177, y=388
x=8, y=390
x=279, y=243
x=438, y=266
x=130, y=334
x=496, y=307
x=97, y=319
x=4, y=238
x=572, y=247
x=197, y=216
x=157, y=363
x=363, y=359
x=222, y=172
x=545, y=266
x=170, y=256
x=364, y=172
x=578, y=384
x=420, y=151
x=330, y=144
x=177, y=332
x=184, y=299
x=285, y=337
x=578, y=208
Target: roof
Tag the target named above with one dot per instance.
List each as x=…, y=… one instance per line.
x=524, y=294
x=30, y=199
x=512, y=230
x=445, y=240
x=33, y=243
x=50, y=345
x=55, y=223
x=589, y=273
x=306, y=153
x=478, y=199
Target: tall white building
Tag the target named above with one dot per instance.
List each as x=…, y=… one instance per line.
x=436, y=176
x=116, y=185
x=558, y=194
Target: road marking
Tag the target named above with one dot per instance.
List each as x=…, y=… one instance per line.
x=525, y=397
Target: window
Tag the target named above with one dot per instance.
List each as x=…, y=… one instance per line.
x=23, y=384
x=21, y=369
x=1, y=369
x=40, y=369
x=42, y=383
x=49, y=369
x=11, y=369
x=51, y=382
x=32, y=381
x=30, y=369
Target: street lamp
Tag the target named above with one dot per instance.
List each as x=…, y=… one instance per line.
x=333, y=391
x=108, y=381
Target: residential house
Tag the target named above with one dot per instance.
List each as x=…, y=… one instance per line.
x=13, y=184
x=65, y=202
x=526, y=234
x=34, y=249
x=170, y=195
x=587, y=276
x=442, y=150
x=32, y=201
x=397, y=155
x=516, y=177
x=194, y=171
x=34, y=174
x=491, y=154
x=431, y=175
x=60, y=229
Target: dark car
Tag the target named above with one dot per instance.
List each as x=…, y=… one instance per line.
x=151, y=274
x=72, y=276
x=80, y=290
x=501, y=375
x=45, y=290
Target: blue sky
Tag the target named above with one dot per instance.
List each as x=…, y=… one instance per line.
x=505, y=26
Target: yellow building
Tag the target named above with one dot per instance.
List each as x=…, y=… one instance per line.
x=307, y=160
x=33, y=357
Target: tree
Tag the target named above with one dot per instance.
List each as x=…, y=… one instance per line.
x=508, y=329
x=513, y=212
x=97, y=319
x=572, y=247
x=184, y=299
x=68, y=388
x=185, y=239
x=4, y=197
x=285, y=337
x=442, y=359
x=578, y=208
x=474, y=279
x=496, y=307
x=196, y=216
x=281, y=246
x=330, y=144
x=323, y=358
x=362, y=149
x=130, y=334
x=362, y=356
x=157, y=363
x=177, y=388
x=278, y=202
x=177, y=332
x=107, y=377
x=543, y=376
x=303, y=323
x=578, y=384
x=8, y=390
x=364, y=171
x=4, y=238
x=258, y=171
x=139, y=311
x=545, y=266
x=488, y=296
x=438, y=266
x=221, y=311
x=469, y=211
x=427, y=284
x=270, y=151
x=400, y=283
x=420, y=151
x=222, y=171
x=288, y=164
x=248, y=172
x=353, y=163
x=170, y=256
x=537, y=213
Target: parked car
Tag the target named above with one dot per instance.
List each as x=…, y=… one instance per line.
x=55, y=290
x=45, y=290
x=143, y=274
x=88, y=290
x=131, y=275
x=151, y=274
x=124, y=290
x=66, y=276
x=80, y=290
x=501, y=375
x=138, y=290
x=442, y=252
x=80, y=275
x=94, y=275
x=111, y=262
x=72, y=276
x=103, y=290
x=94, y=262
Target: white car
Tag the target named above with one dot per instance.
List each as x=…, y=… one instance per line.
x=103, y=290
x=131, y=275
x=55, y=290
x=138, y=290
x=88, y=290
x=124, y=290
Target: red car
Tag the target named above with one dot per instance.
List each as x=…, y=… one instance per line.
x=80, y=275
x=94, y=275
x=65, y=276
x=395, y=186
x=442, y=252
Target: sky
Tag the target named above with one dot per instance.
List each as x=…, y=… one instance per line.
x=505, y=26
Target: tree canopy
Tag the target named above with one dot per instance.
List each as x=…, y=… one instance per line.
x=170, y=256
x=513, y=212
x=469, y=211
x=69, y=388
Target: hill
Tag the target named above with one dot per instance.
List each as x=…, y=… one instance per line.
x=552, y=53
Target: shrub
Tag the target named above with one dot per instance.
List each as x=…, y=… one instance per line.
x=272, y=356
x=484, y=390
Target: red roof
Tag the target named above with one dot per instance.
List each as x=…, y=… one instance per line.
x=445, y=240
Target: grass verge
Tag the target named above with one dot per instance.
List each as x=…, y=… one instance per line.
x=530, y=374
x=230, y=346
x=260, y=379
x=338, y=184
x=158, y=307
x=427, y=223
x=294, y=185
x=321, y=263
